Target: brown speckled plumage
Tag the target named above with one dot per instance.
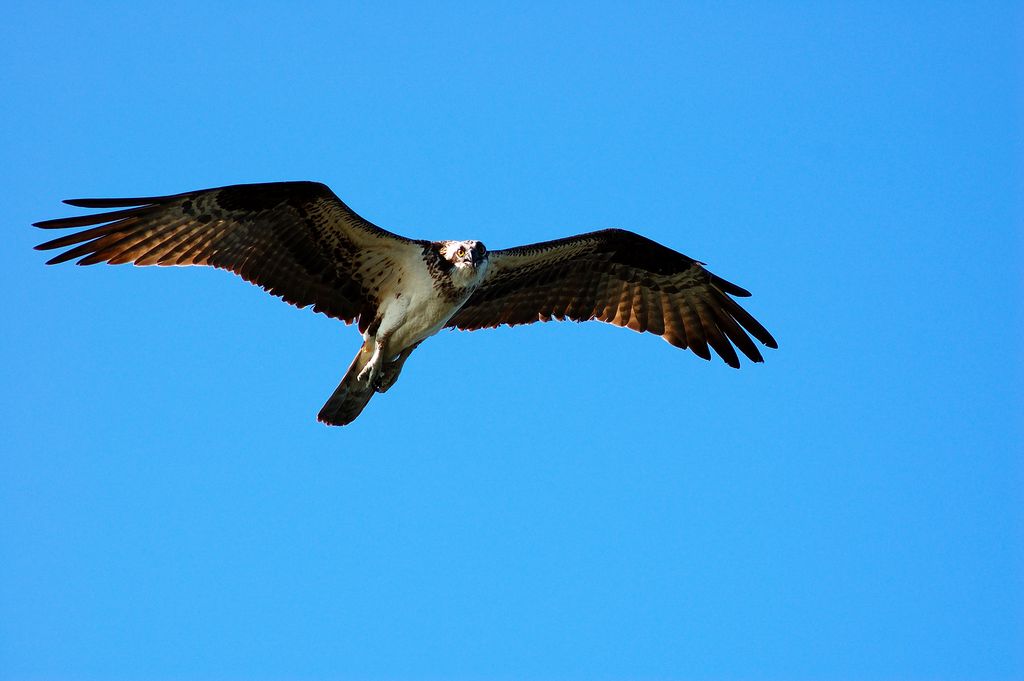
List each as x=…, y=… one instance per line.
x=296, y=240
x=621, y=278
x=299, y=241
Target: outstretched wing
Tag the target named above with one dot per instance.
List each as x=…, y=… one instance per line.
x=296, y=240
x=621, y=278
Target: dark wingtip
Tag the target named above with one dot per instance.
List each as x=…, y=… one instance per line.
x=729, y=287
x=86, y=203
x=701, y=351
x=55, y=260
x=109, y=203
x=56, y=223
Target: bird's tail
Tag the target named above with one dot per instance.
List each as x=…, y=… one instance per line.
x=351, y=395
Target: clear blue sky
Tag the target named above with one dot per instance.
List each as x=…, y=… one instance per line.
x=556, y=501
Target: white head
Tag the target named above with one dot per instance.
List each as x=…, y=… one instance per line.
x=467, y=260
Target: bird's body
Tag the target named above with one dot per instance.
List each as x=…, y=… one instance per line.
x=299, y=241
x=418, y=309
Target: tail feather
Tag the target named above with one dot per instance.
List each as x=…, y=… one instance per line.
x=351, y=395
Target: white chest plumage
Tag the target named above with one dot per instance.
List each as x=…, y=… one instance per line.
x=416, y=309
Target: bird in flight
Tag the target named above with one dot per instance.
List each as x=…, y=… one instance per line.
x=299, y=241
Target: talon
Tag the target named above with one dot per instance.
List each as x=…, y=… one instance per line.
x=367, y=374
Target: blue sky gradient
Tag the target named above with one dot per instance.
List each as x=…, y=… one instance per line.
x=554, y=501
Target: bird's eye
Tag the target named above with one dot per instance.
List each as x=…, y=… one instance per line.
x=461, y=252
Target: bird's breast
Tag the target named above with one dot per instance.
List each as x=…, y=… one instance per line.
x=419, y=308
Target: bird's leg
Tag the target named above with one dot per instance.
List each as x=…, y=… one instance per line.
x=390, y=370
x=370, y=372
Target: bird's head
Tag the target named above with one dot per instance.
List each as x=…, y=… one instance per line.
x=467, y=260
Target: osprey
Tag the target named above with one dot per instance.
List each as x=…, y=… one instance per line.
x=300, y=242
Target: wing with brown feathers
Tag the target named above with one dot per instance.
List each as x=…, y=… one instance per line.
x=296, y=240
x=621, y=278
